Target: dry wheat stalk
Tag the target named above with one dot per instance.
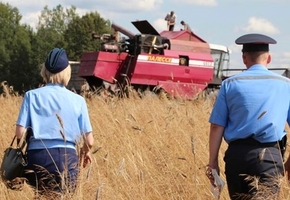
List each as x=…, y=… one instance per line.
x=192, y=145
x=99, y=191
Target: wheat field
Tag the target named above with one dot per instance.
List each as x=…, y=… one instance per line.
x=145, y=149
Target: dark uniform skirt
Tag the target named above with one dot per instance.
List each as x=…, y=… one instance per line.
x=54, y=169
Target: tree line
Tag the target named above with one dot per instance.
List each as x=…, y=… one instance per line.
x=24, y=48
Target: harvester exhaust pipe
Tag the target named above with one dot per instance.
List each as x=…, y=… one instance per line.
x=122, y=30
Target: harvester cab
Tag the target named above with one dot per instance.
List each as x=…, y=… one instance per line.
x=178, y=62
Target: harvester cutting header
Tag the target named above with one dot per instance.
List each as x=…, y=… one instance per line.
x=178, y=62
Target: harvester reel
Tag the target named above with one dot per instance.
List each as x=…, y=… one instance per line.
x=149, y=43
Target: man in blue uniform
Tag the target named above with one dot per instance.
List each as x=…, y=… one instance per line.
x=250, y=113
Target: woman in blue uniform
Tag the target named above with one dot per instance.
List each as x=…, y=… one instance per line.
x=59, y=120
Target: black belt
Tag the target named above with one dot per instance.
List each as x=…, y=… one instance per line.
x=252, y=142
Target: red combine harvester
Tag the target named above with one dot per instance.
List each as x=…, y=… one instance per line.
x=178, y=62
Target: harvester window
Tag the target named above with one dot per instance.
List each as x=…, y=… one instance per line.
x=183, y=60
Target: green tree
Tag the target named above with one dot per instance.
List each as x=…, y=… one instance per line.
x=36, y=59
x=56, y=19
x=51, y=26
x=78, y=35
x=23, y=49
x=9, y=22
x=15, y=49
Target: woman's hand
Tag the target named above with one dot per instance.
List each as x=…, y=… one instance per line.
x=87, y=158
x=85, y=155
x=287, y=169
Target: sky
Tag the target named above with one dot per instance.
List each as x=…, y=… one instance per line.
x=216, y=21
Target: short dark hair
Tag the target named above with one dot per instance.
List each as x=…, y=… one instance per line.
x=182, y=22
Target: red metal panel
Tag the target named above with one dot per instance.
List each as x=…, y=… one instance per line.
x=87, y=64
x=103, y=65
x=182, y=35
x=189, y=46
x=183, y=90
x=151, y=72
x=192, y=55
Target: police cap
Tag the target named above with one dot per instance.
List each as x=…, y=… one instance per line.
x=255, y=42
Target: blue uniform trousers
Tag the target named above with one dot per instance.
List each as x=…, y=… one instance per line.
x=244, y=162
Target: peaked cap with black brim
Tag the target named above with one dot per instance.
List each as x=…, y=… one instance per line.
x=255, y=42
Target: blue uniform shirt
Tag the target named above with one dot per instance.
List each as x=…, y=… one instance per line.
x=54, y=113
x=254, y=103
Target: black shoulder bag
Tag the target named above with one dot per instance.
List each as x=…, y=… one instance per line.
x=14, y=160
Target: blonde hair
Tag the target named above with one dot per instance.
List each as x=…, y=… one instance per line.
x=61, y=77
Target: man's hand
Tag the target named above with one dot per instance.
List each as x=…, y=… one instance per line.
x=210, y=175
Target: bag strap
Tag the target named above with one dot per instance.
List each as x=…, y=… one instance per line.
x=13, y=141
x=24, y=140
x=29, y=134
